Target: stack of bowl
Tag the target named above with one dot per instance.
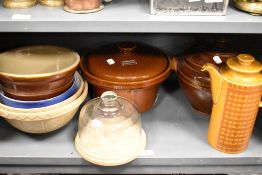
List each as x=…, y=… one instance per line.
x=40, y=88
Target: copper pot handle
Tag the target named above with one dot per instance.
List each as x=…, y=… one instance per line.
x=174, y=63
x=260, y=104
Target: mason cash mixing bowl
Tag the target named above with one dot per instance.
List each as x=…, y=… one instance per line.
x=37, y=72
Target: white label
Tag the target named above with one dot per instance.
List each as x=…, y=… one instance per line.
x=213, y=1
x=149, y=152
x=194, y=0
x=110, y=61
x=128, y=62
x=21, y=17
x=217, y=59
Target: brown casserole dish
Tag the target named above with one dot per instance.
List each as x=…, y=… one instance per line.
x=132, y=70
x=194, y=82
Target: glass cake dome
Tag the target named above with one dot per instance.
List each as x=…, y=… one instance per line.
x=110, y=131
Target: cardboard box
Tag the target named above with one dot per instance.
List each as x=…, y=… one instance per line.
x=188, y=7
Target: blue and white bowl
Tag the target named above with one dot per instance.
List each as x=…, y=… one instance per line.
x=42, y=103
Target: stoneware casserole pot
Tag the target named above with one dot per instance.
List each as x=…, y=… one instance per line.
x=132, y=70
x=37, y=72
x=194, y=82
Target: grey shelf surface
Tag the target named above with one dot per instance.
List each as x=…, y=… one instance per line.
x=176, y=143
x=125, y=16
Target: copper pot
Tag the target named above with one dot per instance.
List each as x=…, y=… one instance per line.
x=83, y=6
x=132, y=70
x=194, y=82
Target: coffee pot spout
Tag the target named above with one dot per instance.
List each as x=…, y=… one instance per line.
x=216, y=80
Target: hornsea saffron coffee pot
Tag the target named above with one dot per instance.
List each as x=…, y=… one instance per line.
x=236, y=91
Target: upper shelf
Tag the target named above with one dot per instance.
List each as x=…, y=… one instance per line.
x=124, y=16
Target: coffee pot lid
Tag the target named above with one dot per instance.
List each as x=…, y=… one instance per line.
x=244, y=63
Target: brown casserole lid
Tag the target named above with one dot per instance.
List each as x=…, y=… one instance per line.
x=126, y=65
x=199, y=55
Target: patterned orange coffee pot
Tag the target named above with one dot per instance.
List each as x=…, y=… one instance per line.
x=236, y=92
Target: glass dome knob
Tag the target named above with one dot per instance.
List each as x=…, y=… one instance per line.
x=109, y=98
x=109, y=105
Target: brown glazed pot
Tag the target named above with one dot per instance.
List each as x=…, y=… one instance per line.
x=194, y=82
x=132, y=70
x=22, y=89
x=37, y=72
x=149, y=96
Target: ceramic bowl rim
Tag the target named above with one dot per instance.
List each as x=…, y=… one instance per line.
x=46, y=115
x=72, y=66
x=75, y=85
x=51, y=107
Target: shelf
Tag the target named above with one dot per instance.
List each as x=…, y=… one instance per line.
x=176, y=134
x=125, y=16
x=176, y=137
